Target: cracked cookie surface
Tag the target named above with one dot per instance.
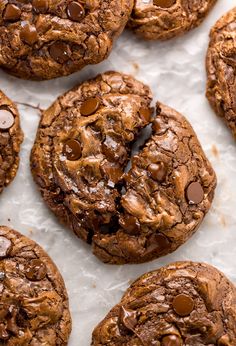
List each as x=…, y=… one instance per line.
x=184, y=303
x=33, y=304
x=164, y=19
x=11, y=137
x=79, y=160
x=43, y=39
x=221, y=69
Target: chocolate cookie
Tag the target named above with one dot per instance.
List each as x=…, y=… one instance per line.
x=33, y=303
x=11, y=137
x=221, y=69
x=164, y=19
x=42, y=39
x=184, y=303
x=79, y=161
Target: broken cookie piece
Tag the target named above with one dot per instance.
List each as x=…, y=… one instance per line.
x=221, y=69
x=42, y=39
x=164, y=19
x=34, y=306
x=184, y=303
x=11, y=137
x=79, y=161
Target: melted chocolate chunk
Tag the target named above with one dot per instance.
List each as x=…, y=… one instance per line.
x=35, y=270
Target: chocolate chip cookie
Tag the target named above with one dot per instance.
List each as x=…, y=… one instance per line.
x=79, y=160
x=33, y=303
x=164, y=19
x=221, y=69
x=11, y=137
x=42, y=39
x=184, y=303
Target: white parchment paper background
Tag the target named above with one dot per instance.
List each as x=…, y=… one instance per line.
x=175, y=70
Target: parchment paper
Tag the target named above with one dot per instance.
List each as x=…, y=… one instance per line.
x=175, y=70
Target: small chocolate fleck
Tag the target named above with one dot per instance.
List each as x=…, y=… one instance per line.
x=72, y=150
x=12, y=12
x=5, y=246
x=89, y=106
x=6, y=119
x=75, y=11
x=35, y=270
x=183, y=305
x=195, y=193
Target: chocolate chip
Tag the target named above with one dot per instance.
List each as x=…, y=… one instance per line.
x=171, y=340
x=128, y=318
x=89, y=106
x=12, y=12
x=60, y=52
x=224, y=341
x=158, y=171
x=40, y=5
x=28, y=33
x=5, y=246
x=130, y=224
x=164, y=3
x=75, y=11
x=72, y=150
x=145, y=113
x=113, y=150
x=6, y=119
x=157, y=242
x=112, y=171
x=195, y=193
x=183, y=305
x=35, y=270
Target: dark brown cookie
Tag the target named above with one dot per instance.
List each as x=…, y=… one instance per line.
x=164, y=19
x=33, y=303
x=221, y=69
x=43, y=39
x=11, y=137
x=184, y=303
x=80, y=155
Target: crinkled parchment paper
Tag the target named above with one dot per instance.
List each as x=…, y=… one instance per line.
x=175, y=70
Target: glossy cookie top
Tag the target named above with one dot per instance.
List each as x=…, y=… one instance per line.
x=11, y=137
x=33, y=302
x=221, y=69
x=164, y=19
x=184, y=303
x=44, y=39
x=80, y=157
